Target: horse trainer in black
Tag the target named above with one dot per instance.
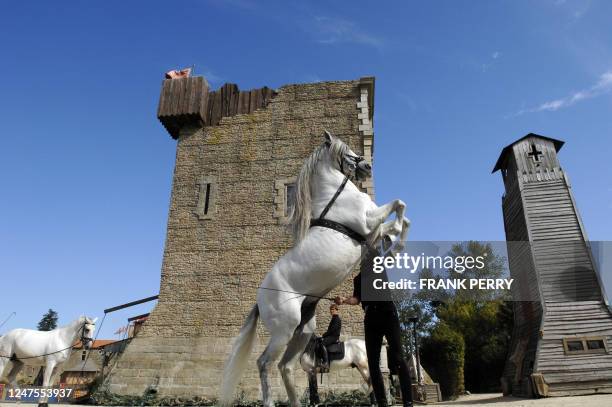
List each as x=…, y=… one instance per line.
x=381, y=320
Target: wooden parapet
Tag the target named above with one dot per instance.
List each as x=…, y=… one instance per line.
x=187, y=101
x=183, y=101
x=229, y=101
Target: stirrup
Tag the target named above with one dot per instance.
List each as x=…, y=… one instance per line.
x=324, y=367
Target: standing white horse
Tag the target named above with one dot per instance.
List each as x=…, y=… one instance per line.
x=355, y=356
x=323, y=256
x=48, y=349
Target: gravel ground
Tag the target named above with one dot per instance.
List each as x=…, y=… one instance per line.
x=497, y=400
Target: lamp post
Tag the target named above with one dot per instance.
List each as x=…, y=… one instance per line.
x=414, y=321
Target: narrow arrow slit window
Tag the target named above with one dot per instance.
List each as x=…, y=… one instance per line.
x=207, y=190
x=290, y=190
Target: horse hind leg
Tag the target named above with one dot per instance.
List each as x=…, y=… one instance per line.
x=301, y=336
x=12, y=376
x=291, y=357
x=368, y=389
x=366, y=378
x=274, y=349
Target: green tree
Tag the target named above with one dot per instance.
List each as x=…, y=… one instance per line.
x=48, y=321
x=486, y=328
x=482, y=318
x=444, y=355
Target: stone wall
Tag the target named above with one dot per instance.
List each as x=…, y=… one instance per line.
x=213, y=264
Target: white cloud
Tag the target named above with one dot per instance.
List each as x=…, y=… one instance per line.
x=603, y=86
x=574, y=9
x=329, y=30
x=494, y=57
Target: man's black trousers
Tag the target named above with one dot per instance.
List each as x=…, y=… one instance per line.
x=381, y=320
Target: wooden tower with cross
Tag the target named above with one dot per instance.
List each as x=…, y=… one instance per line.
x=562, y=334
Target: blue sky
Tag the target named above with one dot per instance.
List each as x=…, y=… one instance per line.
x=85, y=167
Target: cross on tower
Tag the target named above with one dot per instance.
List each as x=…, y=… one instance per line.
x=534, y=153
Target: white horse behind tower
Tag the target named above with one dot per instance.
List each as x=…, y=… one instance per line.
x=323, y=256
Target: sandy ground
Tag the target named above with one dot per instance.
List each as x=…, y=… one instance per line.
x=497, y=400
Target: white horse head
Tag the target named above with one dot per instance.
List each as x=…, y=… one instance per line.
x=335, y=156
x=88, y=327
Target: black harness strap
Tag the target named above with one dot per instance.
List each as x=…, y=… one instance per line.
x=331, y=201
x=338, y=227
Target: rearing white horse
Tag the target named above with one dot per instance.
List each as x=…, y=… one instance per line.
x=48, y=349
x=320, y=260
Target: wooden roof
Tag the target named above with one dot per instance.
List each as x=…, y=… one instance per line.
x=502, y=157
x=98, y=343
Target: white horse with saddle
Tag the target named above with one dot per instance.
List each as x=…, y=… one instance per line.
x=354, y=356
x=47, y=349
x=331, y=220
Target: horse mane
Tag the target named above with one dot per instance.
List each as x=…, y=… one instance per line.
x=299, y=219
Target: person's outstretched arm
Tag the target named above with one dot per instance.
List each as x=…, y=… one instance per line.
x=355, y=299
x=348, y=301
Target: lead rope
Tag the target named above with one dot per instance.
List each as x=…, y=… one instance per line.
x=295, y=292
x=93, y=343
x=13, y=358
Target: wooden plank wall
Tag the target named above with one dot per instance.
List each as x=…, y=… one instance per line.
x=527, y=301
x=563, y=261
x=230, y=101
x=573, y=300
x=187, y=101
x=183, y=96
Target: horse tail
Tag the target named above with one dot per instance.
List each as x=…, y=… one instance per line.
x=238, y=358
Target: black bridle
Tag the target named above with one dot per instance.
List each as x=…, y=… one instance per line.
x=85, y=340
x=355, y=158
x=330, y=224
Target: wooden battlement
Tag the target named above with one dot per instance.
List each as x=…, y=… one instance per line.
x=187, y=101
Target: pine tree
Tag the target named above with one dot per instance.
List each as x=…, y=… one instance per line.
x=48, y=321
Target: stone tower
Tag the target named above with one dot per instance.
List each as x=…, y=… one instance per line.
x=238, y=153
x=562, y=323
